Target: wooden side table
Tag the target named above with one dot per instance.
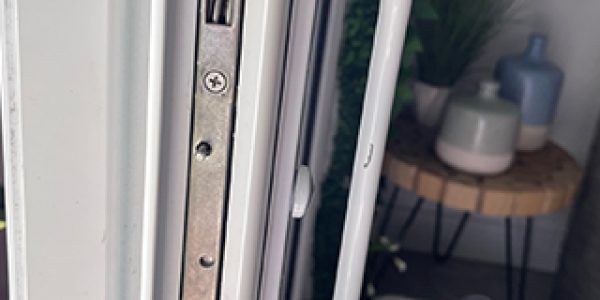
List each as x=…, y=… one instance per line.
x=538, y=183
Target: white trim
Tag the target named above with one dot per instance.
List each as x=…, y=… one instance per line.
x=299, y=48
x=178, y=93
x=258, y=94
x=127, y=88
x=12, y=134
x=320, y=152
x=153, y=138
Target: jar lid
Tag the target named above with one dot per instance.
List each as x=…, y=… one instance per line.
x=487, y=102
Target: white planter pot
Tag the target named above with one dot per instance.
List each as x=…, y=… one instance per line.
x=430, y=102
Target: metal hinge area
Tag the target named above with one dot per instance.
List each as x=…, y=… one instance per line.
x=214, y=99
x=219, y=11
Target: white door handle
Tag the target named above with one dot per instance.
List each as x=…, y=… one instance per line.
x=303, y=189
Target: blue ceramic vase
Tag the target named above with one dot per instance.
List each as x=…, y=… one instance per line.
x=534, y=83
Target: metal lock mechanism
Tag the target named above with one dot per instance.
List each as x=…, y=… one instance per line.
x=216, y=63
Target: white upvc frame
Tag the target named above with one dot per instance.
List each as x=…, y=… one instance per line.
x=55, y=106
x=178, y=94
x=12, y=133
x=156, y=61
x=288, y=138
x=128, y=43
x=260, y=80
x=320, y=152
x=388, y=45
x=260, y=75
x=259, y=85
x=119, y=34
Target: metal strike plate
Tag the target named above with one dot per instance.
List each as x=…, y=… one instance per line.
x=214, y=98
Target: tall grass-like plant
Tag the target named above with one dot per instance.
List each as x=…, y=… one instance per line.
x=456, y=37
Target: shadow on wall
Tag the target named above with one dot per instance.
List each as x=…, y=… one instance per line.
x=580, y=265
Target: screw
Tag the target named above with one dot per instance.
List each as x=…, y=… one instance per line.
x=215, y=82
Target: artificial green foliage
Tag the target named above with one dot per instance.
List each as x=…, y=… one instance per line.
x=357, y=42
x=456, y=37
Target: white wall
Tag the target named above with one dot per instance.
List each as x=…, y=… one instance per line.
x=573, y=44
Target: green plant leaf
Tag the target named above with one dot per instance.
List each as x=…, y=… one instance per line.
x=456, y=37
x=412, y=45
x=423, y=10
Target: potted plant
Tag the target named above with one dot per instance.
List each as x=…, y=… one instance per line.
x=450, y=43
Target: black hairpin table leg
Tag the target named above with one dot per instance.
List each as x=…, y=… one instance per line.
x=524, y=262
x=410, y=220
x=508, y=252
x=387, y=213
x=443, y=257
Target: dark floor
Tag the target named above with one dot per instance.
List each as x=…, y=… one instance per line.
x=3, y=266
x=426, y=279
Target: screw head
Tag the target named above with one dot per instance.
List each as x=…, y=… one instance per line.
x=215, y=82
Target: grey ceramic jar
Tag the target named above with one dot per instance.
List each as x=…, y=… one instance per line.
x=479, y=133
x=533, y=83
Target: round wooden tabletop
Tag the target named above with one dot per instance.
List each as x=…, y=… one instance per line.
x=539, y=182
